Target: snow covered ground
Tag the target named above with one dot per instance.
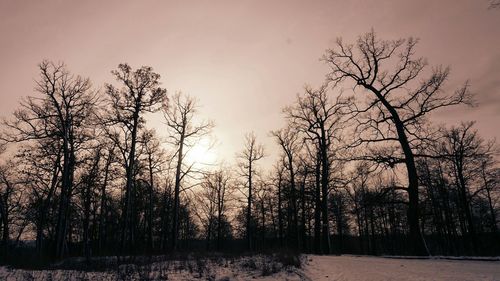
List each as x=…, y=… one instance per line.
x=316, y=268
x=239, y=269
x=347, y=268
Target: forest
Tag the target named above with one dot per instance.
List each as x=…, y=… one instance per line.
x=362, y=167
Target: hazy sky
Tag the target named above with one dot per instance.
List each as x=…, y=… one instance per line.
x=244, y=60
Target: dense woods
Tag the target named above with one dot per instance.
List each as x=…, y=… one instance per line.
x=362, y=167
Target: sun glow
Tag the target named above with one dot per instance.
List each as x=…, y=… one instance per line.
x=203, y=152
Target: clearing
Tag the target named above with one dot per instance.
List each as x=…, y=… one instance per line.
x=347, y=268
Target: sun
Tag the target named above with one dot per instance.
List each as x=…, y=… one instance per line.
x=203, y=152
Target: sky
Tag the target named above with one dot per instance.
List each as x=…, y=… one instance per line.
x=245, y=60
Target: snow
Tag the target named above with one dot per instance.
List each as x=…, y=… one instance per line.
x=346, y=268
x=246, y=268
x=316, y=268
x=472, y=258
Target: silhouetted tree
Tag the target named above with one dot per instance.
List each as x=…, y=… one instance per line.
x=464, y=149
x=155, y=158
x=289, y=142
x=252, y=152
x=184, y=133
x=139, y=92
x=320, y=120
x=216, y=191
x=10, y=202
x=278, y=179
x=490, y=177
x=62, y=113
x=385, y=74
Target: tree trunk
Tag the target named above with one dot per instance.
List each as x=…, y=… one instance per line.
x=89, y=185
x=4, y=215
x=150, y=207
x=490, y=203
x=317, y=209
x=126, y=239
x=86, y=222
x=175, y=226
x=42, y=211
x=471, y=232
x=65, y=196
x=102, y=212
x=324, y=190
x=303, y=215
x=280, y=213
x=416, y=238
x=294, y=233
x=249, y=208
x=220, y=206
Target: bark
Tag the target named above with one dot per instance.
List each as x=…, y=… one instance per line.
x=416, y=238
x=42, y=212
x=280, y=212
x=127, y=227
x=4, y=215
x=150, y=207
x=89, y=185
x=464, y=199
x=249, y=208
x=303, y=236
x=175, y=226
x=317, y=208
x=325, y=171
x=103, y=206
x=220, y=208
x=65, y=196
x=293, y=197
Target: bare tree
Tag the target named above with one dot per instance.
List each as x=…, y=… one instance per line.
x=10, y=201
x=155, y=160
x=356, y=188
x=490, y=176
x=62, y=112
x=278, y=180
x=252, y=152
x=39, y=171
x=465, y=151
x=320, y=121
x=385, y=74
x=213, y=198
x=110, y=156
x=263, y=207
x=139, y=92
x=89, y=184
x=185, y=132
x=289, y=142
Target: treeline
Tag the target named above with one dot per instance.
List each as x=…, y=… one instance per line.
x=361, y=169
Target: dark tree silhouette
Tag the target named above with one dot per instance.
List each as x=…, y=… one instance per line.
x=139, y=92
x=184, y=133
x=385, y=74
x=62, y=113
x=289, y=142
x=10, y=203
x=465, y=151
x=252, y=152
x=320, y=120
x=213, y=199
x=278, y=180
x=155, y=159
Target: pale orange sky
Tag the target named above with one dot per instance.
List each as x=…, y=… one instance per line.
x=244, y=60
